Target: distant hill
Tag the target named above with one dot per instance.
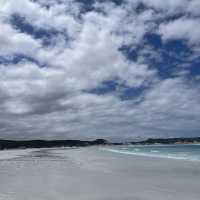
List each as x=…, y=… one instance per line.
x=169, y=141
x=11, y=144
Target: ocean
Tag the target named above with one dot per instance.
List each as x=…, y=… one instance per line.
x=190, y=152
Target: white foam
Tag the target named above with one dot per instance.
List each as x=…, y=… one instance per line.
x=155, y=151
x=152, y=155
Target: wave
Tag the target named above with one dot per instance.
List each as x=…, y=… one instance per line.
x=153, y=153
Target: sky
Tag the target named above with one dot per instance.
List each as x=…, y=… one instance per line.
x=86, y=69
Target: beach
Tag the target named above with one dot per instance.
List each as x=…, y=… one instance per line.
x=91, y=173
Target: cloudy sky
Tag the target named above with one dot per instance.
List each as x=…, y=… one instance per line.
x=99, y=69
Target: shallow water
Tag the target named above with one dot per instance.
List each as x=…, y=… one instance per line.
x=179, y=151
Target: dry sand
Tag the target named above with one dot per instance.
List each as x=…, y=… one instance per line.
x=94, y=174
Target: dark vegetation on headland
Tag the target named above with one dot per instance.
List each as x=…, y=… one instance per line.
x=16, y=144
x=191, y=140
x=13, y=144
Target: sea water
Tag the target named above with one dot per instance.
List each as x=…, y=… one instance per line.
x=189, y=152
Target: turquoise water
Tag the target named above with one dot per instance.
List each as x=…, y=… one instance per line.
x=179, y=151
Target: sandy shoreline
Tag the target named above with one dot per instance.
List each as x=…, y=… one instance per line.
x=91, y=173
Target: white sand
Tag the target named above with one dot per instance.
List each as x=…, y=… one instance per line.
x=93, y=174
x=9, y=154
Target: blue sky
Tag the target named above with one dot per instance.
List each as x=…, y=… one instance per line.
x=99, y=69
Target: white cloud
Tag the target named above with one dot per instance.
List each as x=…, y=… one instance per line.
x=194, y=7
x=173, y=7
x=182, y=28
x=52, y=102
x=43, y=18
x=14, y=42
